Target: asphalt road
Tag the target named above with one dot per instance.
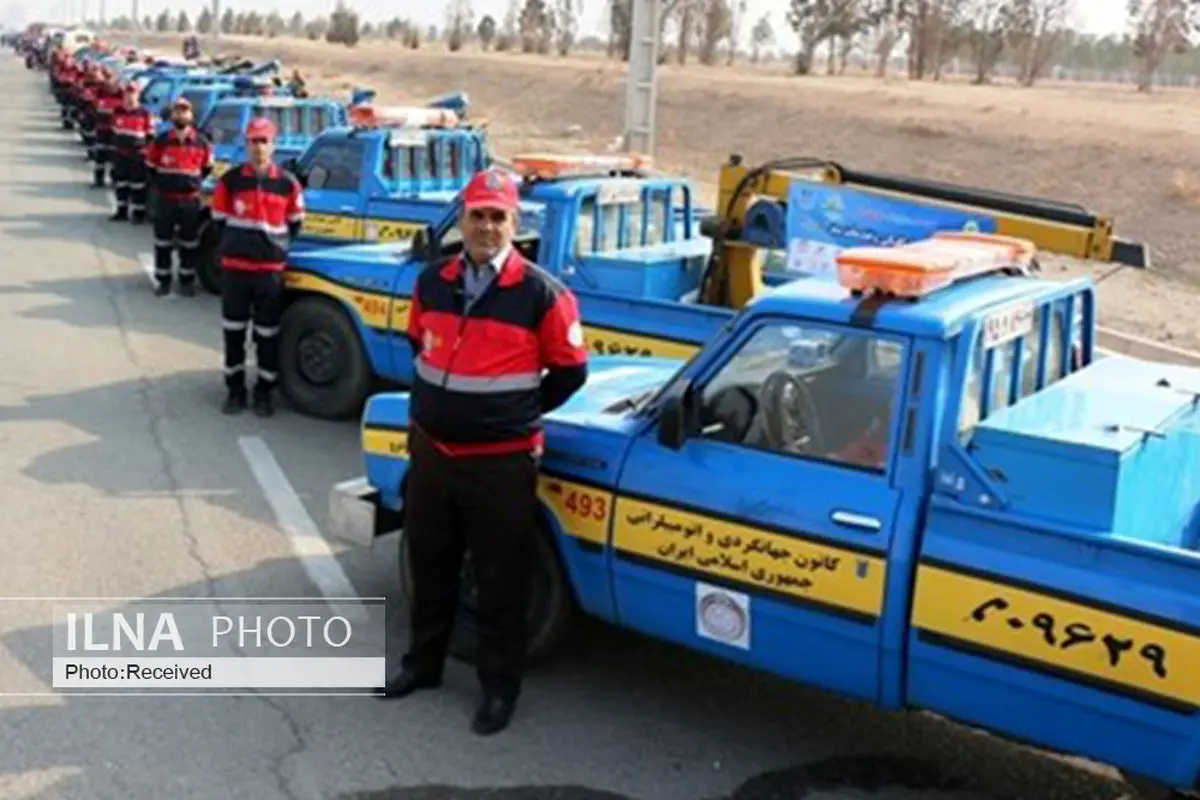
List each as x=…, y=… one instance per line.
x=119, y=478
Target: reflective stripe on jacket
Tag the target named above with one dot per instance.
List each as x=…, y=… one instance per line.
x=260, y=214
x=479, y=385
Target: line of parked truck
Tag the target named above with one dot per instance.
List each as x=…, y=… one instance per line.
x=837, y=426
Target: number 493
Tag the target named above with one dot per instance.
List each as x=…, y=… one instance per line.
x=587, y=506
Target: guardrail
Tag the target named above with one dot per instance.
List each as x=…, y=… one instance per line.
x=1109, y=342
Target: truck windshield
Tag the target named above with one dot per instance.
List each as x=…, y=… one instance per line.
x=156, y=93
x=201, y=101
x=224, y=124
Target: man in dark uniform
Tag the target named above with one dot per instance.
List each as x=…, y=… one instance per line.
x=497, y=343
x=133, y=127
x=259, y=210
x=179, y=159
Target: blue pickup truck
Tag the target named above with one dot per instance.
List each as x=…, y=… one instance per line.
x=925, y=502
x=299, y=121
x=630, y=248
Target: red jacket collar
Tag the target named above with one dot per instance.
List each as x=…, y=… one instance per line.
x=512, y=271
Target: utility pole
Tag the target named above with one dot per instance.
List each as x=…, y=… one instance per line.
x=641, y=79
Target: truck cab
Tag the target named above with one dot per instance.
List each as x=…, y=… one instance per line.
x=629, y=247
x=387, y=174
x=298, y=122
x=917, y=485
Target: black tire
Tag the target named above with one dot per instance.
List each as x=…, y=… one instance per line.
x=323, y=368
x=551, y=604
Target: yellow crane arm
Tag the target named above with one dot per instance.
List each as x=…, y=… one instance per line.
x=734, y=275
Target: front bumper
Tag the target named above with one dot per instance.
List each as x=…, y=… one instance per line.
x=356, y=515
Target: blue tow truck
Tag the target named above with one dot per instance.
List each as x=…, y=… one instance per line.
x=935, y=500
x=652, y=278
x=381, y=177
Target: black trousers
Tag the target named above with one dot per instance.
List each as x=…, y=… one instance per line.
x=485, y=506
x=176, y=222
x=101, y=151
x=129, y=186
x=251, y=297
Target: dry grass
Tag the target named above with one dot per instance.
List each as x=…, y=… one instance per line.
x=1107, y=148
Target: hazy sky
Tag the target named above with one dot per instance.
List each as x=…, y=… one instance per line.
x=1098, y=16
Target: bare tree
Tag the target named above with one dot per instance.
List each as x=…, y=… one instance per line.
x=818, y=21
x=738, y=8
x=296, y=25
x=486, y=31
x=716, y=23
x=986, y=34
x=1160, y=27
x=885, y=20
x=762, y=35
x=566, y=23
x=535, y=26
x=511, y=28
x=1036, y=29
x=460, y=20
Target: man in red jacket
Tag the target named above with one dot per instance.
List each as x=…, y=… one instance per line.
x=259, y=209
x=497, y=343
x=132, y=129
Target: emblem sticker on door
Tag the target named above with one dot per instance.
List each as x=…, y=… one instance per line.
x=723, y=616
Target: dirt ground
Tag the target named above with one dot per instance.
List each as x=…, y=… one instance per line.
x=1107, y=148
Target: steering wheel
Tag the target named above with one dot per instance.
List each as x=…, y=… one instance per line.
x=790, y=415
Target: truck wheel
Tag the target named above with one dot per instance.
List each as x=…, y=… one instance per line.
x=551, y=606
x=323, y=369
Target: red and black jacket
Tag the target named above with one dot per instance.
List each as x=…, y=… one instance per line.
x=131, y=130
x=478, y=387
x=180, y=163
x=107, y=103
x=259, y=216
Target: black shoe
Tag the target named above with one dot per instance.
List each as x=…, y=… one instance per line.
x=162, y=290
x=187, y=290
x=404, y=683
x=120, y=216
x=493, y=714
x=262, y=406
x=234, y=404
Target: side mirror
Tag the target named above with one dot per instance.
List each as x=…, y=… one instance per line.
x=423, y=244
x=676, y=417
x=293, y=166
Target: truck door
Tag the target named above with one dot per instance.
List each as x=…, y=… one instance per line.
x=334, y=204
x=1071, y=638
x=764, y=537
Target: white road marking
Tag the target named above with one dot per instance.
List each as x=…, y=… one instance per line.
x=147, y=261
x=310, y=547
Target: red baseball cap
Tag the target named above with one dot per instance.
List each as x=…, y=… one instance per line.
x=492, y=188
x=260, y=128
